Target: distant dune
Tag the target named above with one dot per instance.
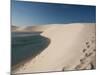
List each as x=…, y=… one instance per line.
x=30, y=28
x=13, y=28
x=72, y=47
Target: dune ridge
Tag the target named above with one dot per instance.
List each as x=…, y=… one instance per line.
x=30, y=28
x=72, y=47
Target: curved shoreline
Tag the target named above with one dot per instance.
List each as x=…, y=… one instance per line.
x=21, y=63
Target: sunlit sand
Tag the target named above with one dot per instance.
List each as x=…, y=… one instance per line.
x=72, y=47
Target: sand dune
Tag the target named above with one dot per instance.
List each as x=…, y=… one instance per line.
x=30, y=28
x=13, y=28
x=72, y=47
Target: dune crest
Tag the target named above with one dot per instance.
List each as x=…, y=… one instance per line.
x=72, y=47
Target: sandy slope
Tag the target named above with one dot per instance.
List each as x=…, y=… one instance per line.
x=72, y=47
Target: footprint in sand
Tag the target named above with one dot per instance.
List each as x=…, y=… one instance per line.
x=88, y=46
x=94, y=49
x=82, y=61
x=88, y=52
x=84, y=50
x=87, y=43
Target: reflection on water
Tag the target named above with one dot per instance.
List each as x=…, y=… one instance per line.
x=27, y=45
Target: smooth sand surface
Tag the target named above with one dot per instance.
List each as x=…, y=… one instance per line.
x=72, y=47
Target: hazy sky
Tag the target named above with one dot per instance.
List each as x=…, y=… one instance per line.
x=34, y=13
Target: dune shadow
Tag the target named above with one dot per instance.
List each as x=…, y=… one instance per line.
x=26, y=47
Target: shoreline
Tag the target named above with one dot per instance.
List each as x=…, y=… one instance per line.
x=63, y=43
x=22, y=62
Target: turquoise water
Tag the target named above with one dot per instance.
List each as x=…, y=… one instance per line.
x=25, y=45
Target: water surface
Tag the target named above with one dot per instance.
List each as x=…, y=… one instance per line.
x=25, y=45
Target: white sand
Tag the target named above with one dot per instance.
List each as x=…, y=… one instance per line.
x=72, y=47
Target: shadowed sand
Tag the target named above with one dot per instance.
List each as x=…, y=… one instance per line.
x=72, y=47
